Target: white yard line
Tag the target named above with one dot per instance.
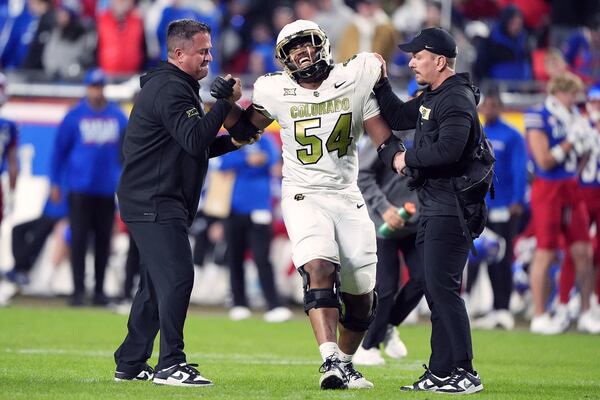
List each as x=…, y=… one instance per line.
x=263, y=359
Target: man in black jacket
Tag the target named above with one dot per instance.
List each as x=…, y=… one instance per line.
x=166, y=149
x=447, y=133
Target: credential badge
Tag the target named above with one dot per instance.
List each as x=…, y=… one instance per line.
x=425, y=112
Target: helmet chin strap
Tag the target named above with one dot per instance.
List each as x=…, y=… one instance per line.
x=318, y=75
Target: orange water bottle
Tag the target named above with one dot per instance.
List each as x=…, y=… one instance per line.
x=405, y=212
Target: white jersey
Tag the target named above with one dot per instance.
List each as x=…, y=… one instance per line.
x=320, y=128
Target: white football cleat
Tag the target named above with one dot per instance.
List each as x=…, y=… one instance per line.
x=546, y=325
x=8, y=290
x=239, y=313
x=278, y=314
x=355, y=379
x=333, y=376
x=370, y=356
x=588, y=322
x=495, y=319
x=562, y=317
x=487, y=322
x=393, y=345
x=505, y=320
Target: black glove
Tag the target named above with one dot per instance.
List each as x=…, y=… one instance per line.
x=415, y=180
x=222, y=89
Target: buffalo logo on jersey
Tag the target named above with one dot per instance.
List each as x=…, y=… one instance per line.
x=425, y=112
x=289, y=91
x=192, y=112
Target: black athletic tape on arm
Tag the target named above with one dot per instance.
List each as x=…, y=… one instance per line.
x=243, y=129
x=388, y=150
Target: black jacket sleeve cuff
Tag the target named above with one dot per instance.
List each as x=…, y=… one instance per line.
x=221, y=145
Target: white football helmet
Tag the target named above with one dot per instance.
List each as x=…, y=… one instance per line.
x=298, y=31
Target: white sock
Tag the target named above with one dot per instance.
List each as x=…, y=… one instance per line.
x=328, y=349
x=345, y=358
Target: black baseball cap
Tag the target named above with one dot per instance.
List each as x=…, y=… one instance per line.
x=435, y=40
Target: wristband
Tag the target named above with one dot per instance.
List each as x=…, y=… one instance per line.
x=388, y=150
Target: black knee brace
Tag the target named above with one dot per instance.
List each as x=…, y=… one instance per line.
x=358, y=325
x=321, y=298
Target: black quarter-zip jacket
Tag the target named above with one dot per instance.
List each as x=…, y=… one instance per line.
x=166, y=148
x=447, y=131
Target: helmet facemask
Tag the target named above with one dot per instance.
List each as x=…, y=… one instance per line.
x=318, y=67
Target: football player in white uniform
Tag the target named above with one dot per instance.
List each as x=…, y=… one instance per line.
x=323, y=108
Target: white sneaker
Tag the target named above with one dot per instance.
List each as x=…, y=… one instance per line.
x=562, y=317
x=588, y=322
x=370, y=356
x=8, y=290
x=355, y=379
x=393, y=346
x=239, y=313
x=495, y=319
x=488, y=321
x=505, y=319
x=545, y=325
x=462, y=382
x=183, y=374
x=278, y=314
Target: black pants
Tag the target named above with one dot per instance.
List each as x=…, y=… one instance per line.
x=240, y=234
x=394, y=306
x=163, y=297
x=90, y=215
x=132, y=268
x=500, y=273
x=28, y=240
x=444, y=250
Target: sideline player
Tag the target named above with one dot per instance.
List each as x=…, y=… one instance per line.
x=323, y=109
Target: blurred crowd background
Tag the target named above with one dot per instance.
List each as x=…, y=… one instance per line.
x=514, y=40
x=51, y=49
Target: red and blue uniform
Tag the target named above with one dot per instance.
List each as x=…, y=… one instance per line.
x=589, y=188
x=556, y=204
x=589, y=181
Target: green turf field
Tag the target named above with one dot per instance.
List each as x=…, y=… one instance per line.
x=58, y=353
